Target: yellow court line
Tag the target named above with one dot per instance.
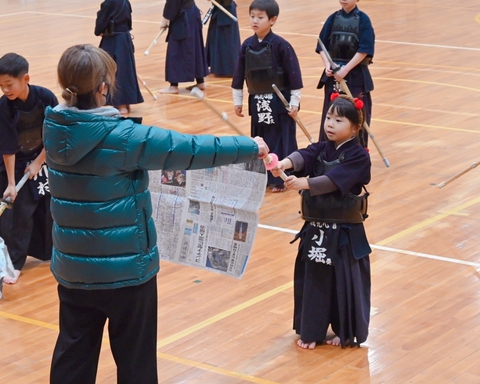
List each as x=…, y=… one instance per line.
x=428, y=82
x=426, y=125
x=427, y=222
x=224, y=314
x=188, y=362
x=412, y=64
x=306, y=111
x=28, y=321
x=477, y=18
x=211, y=368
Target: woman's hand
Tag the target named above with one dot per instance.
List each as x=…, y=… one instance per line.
x=262, y=147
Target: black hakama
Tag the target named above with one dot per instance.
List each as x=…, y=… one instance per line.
x=280, y=137
x=336, y=294
x=186, y=60
x=223, y=41
x=120, y=48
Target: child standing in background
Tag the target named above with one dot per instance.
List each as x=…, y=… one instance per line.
x=223, y=40
x=27, y=227
x=266, y=59
x=350, y=40
x=332, y=268
x=185, y=59
x=114, y=23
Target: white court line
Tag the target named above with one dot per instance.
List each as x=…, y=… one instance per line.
x=389, y=249
x=278, y=32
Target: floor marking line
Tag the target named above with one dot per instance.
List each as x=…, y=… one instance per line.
x=224, y=314
x=27, y=320
x=427, y=222
x=427, y=256
x=211, y=368
x=389, y=249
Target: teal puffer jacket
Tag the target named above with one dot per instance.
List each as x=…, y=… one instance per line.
x=103, y=235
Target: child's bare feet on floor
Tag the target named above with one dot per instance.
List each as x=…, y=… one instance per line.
x=12, y=280
x=335, y=341
x=201, y=86
x=278, y=188
x=169, y=90
x=304, y=345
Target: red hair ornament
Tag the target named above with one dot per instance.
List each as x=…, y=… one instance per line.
x=358, y=103
x=334, y=95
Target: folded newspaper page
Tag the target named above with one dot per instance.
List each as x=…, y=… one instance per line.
x=208, y=218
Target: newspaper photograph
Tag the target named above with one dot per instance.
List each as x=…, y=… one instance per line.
x=208, y=218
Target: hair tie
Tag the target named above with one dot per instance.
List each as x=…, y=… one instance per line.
x=69, y=91
x=358, y=103
x=334, y=95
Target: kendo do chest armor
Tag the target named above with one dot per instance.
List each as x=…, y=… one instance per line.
x=29, y=130
x=333, y=207
x=344, y=37
x=259, y=71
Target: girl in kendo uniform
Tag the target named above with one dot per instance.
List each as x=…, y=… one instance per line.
x=332, y=268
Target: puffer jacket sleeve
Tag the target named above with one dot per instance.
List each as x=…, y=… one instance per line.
x=156, y=148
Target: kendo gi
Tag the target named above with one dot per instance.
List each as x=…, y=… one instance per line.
x=223, y=40
x=261, y=64
x=114, y=23
x=345, y=34
x=27, y=227
x=332, y=268
x=186, y=60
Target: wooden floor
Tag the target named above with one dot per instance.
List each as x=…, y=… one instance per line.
x=426, y=287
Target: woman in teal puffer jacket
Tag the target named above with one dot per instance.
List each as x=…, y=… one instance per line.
x=105, y=256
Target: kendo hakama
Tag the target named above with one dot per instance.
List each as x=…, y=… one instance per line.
x=336, y=294
x=119, y=46
x=274, y=125
x=186, y=59
x=223, y=40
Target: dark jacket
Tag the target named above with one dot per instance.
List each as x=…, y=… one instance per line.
x=103, y=235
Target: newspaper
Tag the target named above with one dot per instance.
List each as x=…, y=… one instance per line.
x=208, y=218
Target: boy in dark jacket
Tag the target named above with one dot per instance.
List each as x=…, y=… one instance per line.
x=27, y=227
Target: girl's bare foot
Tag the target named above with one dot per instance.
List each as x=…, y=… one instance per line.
x=278, y=189
x=336, y=341
x=123, y=109
x=12, y=280
x=304, y=345
x=201, y=86
x=170, y=90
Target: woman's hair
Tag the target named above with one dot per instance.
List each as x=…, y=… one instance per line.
x=352, y=109
x=269, y=6
x=81, y=71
